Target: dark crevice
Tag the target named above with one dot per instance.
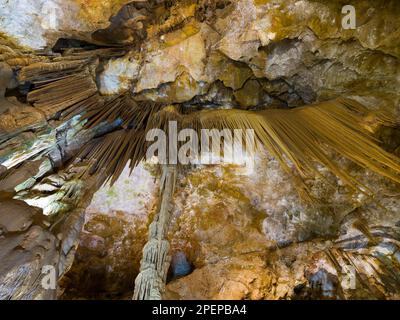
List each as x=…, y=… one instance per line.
x=64, y=44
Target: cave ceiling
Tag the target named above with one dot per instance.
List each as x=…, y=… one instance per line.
x=82, y=83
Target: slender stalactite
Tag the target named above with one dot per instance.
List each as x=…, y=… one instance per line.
x=150, y=283
x=83, y=84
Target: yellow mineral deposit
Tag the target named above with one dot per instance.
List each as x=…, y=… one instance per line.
x=87, y=85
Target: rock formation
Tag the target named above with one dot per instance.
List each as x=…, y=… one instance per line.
x=83, y=82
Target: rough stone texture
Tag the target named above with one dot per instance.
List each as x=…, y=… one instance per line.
x=37, y=24
x=118, y=75
x=23, y=256
x=294, y=52
x=15, y=216
x=31, y=241
x=243, y=234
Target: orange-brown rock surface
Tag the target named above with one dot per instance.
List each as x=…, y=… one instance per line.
x=236, y=233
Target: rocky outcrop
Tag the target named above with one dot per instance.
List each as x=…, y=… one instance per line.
x=249, y=236
x=36, y=25
x=114, y=234
x=273, y=53
x=150, y=282
x=240, y=234
x=72, y=72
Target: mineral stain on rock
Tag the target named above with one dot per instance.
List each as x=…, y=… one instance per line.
x=180, y=266
x=82, y=82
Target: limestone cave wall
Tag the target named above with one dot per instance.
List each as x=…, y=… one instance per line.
x=235, y=233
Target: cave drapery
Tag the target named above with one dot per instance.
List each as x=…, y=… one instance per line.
x=80, y=90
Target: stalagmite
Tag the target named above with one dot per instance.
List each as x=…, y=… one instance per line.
x=150, y=283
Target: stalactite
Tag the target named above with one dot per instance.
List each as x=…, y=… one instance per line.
x=150, y=283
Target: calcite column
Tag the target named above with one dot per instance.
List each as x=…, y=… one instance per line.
x=150, y=283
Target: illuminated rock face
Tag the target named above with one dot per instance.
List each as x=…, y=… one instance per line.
x=112, y=239
x=235, y=234
x=37, y=24
x=243, y=234
x=118, y=75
